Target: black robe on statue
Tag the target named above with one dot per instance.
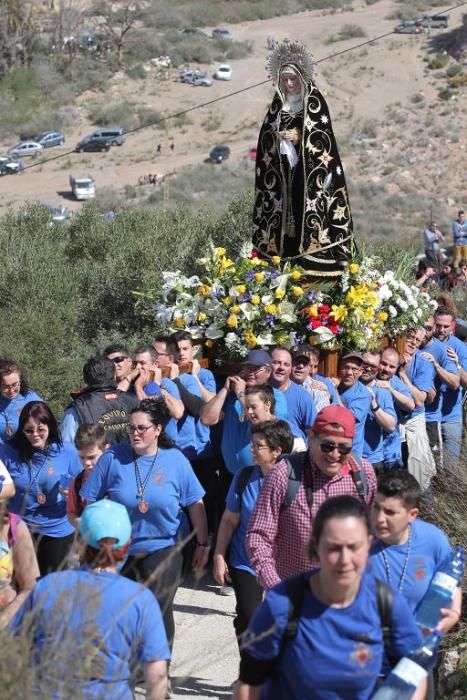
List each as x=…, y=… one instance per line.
x=302, y=213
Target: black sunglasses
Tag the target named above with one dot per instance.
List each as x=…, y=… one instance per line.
x=120, y=358
x=328, y=447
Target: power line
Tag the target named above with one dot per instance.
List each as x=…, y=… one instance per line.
x=188, y=110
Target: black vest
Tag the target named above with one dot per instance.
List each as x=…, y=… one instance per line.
x=108, y=407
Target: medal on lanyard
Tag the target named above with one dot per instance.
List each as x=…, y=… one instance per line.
x=143, y=505
x=40, y=495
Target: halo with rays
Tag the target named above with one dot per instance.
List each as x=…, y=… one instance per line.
x=294, y=53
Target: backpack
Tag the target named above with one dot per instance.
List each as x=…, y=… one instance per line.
x=296, y=586
x=295, y=471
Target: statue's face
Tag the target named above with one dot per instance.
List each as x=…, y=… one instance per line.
x=290, y=83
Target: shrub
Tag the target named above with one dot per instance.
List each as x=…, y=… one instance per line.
x=117, y=114
x=348, y=31
x=458, y=80
x=438, y=62
x=136, y=72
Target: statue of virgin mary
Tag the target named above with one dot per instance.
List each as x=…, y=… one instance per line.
x=302, y=211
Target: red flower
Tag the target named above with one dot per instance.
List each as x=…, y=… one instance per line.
x=334, y=328
x=254, y=254
x=324, y=309
x=315, y=323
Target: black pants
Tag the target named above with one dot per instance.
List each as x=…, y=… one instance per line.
x=433, y=430
x=160, y=572
x=206, y=471
x=52, y=552
x=248, y=594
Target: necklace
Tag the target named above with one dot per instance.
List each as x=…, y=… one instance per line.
x=406, y=562
x=143, y=505
x=34, y=478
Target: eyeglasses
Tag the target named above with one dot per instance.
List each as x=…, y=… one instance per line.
x=10, y=387
x=366, y=365
x=40, y=430
x=329, y=447
x=161, y=353
x=256, y=446
x=252, y=369
x=304, y=361
x=141, y=429
x=120, y=358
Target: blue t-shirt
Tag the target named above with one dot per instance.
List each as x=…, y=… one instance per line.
x=80, y=611
x=203, y=432
x=439, y=351
x=337, y=652
x=171, y=486
x=186, y=426
x=358, y=400
x=41, y=476
x=244, y=504
x=373, y=449
x=451, y=402
x=332, y=389
x=428, y=549
x=301, y=410
x=171, y=429
x=421, y=374
x=9, y=413
x=392, y=441
x=235, y=443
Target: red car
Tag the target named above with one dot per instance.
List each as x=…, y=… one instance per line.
x=252, y=153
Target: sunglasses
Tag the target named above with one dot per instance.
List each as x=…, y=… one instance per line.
x=329, y=447
x=140, y=429
x=119, y=359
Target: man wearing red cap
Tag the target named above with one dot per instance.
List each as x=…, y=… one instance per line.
x=280, y=527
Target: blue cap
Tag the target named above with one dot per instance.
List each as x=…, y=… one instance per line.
x=258, y=357
x=105, y=519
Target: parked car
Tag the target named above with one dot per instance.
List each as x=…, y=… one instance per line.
x=87, y=145
x=113, y=133
x=201, y=79
x=218, y=154
x=224, y=72
x=194, y=31
x=186, y=75
x=27, y=148
x=252, y=152
x=8, y=166
x=436, y=21
x=83, y=187
x=410, y=26
x=58, y=214
x=50, y=138
x=220, y=33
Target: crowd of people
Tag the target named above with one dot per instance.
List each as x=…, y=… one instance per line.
x=448, y=272
x=302, y=492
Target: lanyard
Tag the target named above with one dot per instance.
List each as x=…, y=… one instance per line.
x=141, y=484
x=34, y=478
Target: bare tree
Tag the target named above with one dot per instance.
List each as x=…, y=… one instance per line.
x=116, y=20
x=17, y=30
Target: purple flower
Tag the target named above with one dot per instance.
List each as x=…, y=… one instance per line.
x=311, y=296
x=270, y=321
x=244, y=297
x=250, y=276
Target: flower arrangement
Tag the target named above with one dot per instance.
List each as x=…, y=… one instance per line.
x=247, y=303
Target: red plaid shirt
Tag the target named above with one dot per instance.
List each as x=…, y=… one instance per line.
x=277, y=539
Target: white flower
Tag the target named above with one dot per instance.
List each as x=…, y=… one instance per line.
x=401, y=304
x=388, y=275
x=213, y=332
x=230, y=339
x=384, y=292
x=392, y=311
x=418, y=313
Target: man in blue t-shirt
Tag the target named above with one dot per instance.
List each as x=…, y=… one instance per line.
x=354, y=395
x=403, y=403
x=446, y=376
x=451, y=403
x=305, y=364
x=418, y=376
x=301, y=409
x=383, y=418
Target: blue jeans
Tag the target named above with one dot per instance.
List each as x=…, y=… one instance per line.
x=452, y=438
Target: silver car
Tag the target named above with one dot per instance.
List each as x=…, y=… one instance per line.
x=27, y=148
x=202, y=79
x=50, y=138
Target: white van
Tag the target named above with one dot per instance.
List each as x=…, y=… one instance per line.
x=83, y=187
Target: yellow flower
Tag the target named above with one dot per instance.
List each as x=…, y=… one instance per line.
x=203, y=290
x=250, y=339
x=232, y=321
x=297, y=291
x=202, y=317
x=227, y=301
x=255, y=262
x=271, y=308
x=259, y=277
x=295, y=275
x=226, y=262
x=219, y=252
x=372, y=299
x=275, y=260
x=339, y=313
x=313, y=310
x=354, y=268
x=264, y=263
x=235, y=309
x=368, y=314
x=281, y=338
x=280, y=294
x=255, y=299
x=179, y=322
x=241, y=289
x=382, y=316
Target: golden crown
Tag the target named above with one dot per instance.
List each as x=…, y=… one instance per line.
x=291, y=53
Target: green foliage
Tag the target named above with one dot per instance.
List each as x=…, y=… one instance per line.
x=454, y=69
x=348, y=31
x=116, y=114
x=440, y=61
x=458, y=80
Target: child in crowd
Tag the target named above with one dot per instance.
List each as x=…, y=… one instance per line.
x=90, y=443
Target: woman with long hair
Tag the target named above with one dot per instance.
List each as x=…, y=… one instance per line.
x=41, y=467
x=154, y=481
x=14, y=395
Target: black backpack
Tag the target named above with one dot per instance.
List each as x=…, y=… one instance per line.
x=295, y=472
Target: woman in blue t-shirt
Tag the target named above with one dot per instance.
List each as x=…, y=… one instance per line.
x=154, y=481
x=14, y=394
x=336, y=650
x=269, y=439
x=40, y=466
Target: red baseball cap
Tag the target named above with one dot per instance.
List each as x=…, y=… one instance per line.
x=335, y=420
